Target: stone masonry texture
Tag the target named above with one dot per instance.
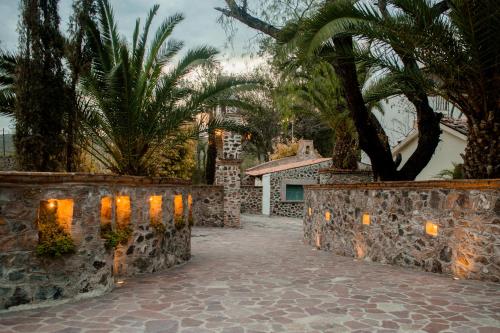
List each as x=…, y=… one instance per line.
x=251, y=199
x=329, y=176
x=27, y=279
x=208, y=206
x=292, y=209
x=463, y=215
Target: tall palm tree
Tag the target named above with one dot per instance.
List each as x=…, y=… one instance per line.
x=140, y=99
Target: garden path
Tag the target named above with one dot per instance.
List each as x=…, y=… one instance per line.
x=262, y=278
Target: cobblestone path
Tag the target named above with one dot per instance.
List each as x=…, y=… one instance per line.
x=263, y=279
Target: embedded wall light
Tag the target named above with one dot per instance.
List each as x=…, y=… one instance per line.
x=431, y=229
x=366, y=219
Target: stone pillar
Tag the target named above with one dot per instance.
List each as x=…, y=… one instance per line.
x=228, y=174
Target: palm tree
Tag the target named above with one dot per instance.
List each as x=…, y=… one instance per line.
x=8, y=64
x=449, y=48
x=140, y=100
x=458, y=44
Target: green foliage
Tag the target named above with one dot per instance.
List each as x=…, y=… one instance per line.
x=8, y=63
x=54, y=241
x=116, y=237
x=158, y=227
x=41, y=101
x=179, y=222
x=457, y=172
x=56, y=247
x=138, y=105
x=178, y=161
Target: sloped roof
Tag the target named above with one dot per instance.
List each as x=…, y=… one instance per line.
x=458, y=128
x=293, y=164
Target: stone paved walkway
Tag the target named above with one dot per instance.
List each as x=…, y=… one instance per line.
x=263, y=279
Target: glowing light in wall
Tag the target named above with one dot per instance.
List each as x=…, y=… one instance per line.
x=310, y=211
x=155, y=211
x=64, y=212
x=178, y=207
x=328, y=216
x=106, y=214
x=366, y=219
x=123, y=211
x=431, y=229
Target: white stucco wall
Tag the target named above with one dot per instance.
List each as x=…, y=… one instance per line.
x=448, y=151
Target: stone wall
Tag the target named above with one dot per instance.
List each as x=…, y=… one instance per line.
x=208, y=206
x=26, y=278
x=332, y=176
x=450, y=227
x=305, y=175
x=251, y=199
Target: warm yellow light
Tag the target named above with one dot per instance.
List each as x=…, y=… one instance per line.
x=155, y=208
x=366, y=219
x=64, y=212
x=431, y=229
x=328, y=215
x=123, y=211
x=178, y=207
x=218, y=132
x=106, y=214
x=310, y=211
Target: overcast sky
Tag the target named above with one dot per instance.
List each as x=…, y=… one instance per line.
x=199, y=27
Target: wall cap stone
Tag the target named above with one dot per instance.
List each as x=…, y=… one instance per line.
x=493, y=184
x=24, y=178
x=344, y=171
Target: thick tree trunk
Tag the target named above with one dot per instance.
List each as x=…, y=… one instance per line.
x=482, y=154
x=372, y=138
x=346, y=149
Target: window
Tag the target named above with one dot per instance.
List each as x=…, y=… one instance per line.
x=294, y=192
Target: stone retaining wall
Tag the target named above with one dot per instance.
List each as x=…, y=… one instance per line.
x=251, y=199
x=27, y=279
x=332, y=176
x=450, y=227
x=208, y=206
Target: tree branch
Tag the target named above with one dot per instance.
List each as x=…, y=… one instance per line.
x=241, y=14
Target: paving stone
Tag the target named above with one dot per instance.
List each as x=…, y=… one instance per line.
x=262, y=278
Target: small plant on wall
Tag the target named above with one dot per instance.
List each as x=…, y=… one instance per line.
x=122, y=233
x=53, y=240
x=155, y=214
x=116, y=237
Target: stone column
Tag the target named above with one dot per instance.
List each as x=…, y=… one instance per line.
x=228, y=174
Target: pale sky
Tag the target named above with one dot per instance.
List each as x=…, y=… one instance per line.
x=200, y=27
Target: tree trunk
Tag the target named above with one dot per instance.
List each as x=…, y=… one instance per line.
x=346, y=149
x=482, y=154
x=211, y=158
x=372, y=138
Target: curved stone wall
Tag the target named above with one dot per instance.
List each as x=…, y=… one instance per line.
x=27, y=278
x=450, y=227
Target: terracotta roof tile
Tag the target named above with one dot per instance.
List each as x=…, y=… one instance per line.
x=283, y=167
